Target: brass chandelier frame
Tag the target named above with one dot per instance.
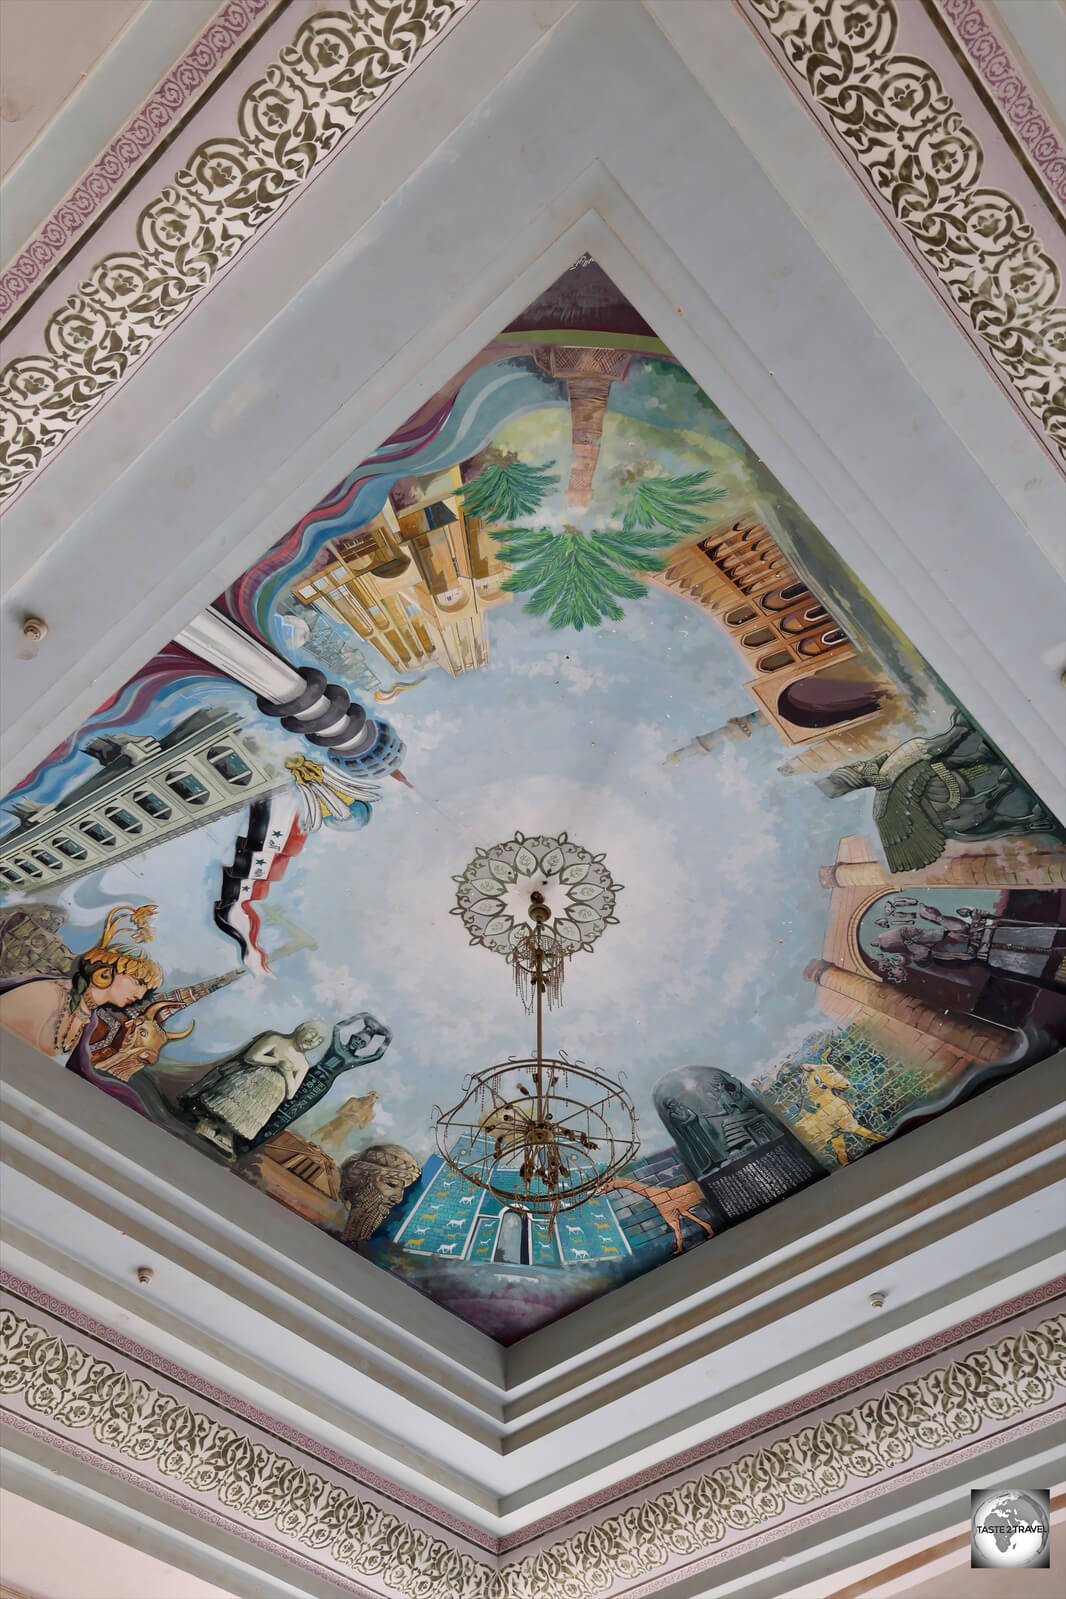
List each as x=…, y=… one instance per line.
x=562, y=1127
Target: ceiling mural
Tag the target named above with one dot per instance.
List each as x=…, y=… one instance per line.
x=546, y=857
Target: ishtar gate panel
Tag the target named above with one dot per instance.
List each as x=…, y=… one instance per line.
x=559, y=680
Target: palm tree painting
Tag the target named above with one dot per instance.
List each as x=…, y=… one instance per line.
x=588, y=372
x=577, y=579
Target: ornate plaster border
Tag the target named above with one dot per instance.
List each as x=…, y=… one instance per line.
x=812, y=1518
x=338, y=67
x=818, y=1398
x=88, y=1457
x=1006, y=83
x=899, y=1360
x=121, y=1344
x=838, y=1458
x=74, y=1394
x=890, y=115
x=153, y=122
x=131, y=1424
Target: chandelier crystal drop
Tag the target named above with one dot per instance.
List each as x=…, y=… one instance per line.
x=538, y=959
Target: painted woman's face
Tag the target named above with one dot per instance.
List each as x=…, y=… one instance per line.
x=124, y=989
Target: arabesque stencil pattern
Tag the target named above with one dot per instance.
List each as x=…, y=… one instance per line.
x=892, y=113
x=1016, y=1374
x=1007, y=84
x=227, y=30
x=76, y=1390
x=338, y=66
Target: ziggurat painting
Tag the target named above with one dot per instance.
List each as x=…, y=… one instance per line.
x=546, y=857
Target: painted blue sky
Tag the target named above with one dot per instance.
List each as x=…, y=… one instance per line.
x=720, y=912
x=721, y=908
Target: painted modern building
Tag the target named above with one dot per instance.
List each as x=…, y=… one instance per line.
x=147, y=790
x=415, y=583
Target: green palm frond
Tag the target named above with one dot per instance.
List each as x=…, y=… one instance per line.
x=626, y=545
x=507, y=491
x=576, y=579
x=676, y=503
x=617, y=549
x=621, y=583
x=522, y=544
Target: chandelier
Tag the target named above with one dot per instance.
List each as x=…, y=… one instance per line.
x=542, y=1133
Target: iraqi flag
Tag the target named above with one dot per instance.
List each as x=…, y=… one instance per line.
x=261, y=855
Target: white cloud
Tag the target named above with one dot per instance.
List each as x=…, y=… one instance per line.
x=424, y=734
x=335, y=989
x=567, y=669
x=719, y=911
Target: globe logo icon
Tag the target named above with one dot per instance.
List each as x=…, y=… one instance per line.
x=1010, y=1529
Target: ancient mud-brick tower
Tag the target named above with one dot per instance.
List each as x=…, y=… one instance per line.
x=944, y=1037
x=589, y=373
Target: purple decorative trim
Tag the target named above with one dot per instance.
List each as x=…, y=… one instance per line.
x=277, y=1428
x=860, y=69
x=959, y=1333
x=833, y=1507
x=679, y=1562
x=796, y=1407
x=130, y=147
x=759, y=1540
x=1007, y=85
x=179, y=1502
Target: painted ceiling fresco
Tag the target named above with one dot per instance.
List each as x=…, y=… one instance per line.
x=562, y=634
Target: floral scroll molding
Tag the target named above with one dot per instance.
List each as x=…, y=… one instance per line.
x=321, y=86
x=892, y=114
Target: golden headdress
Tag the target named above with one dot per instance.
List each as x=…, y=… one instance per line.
x=127, y=926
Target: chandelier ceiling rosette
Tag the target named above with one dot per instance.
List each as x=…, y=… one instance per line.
x=495, y=894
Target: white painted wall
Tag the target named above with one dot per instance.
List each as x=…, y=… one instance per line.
x=44, y=1555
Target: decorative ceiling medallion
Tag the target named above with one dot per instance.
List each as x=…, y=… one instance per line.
x=893, y=115
x=495, y=888
x=338, y=66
